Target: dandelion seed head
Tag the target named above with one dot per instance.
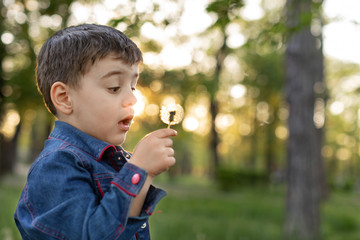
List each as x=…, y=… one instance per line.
x=171, y=114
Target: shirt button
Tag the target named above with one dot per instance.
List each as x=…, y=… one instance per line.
x=135, y=178
x=143, y=226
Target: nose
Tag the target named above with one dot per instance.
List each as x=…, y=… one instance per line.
x=129, y=99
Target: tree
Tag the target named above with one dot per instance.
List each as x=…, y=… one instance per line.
x=268, y=79
x=224, y=9
x=4, y=165
x=304, y=84
x=23, y=30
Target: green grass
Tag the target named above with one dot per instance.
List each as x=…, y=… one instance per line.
x=341, y=216
x=253, y=213
x=190, y=212
x=10, y=189
x=195, y=210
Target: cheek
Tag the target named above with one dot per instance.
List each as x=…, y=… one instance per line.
x=104, y=113
x=97, y=102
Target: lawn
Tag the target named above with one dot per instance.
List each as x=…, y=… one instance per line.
x=206, y=213
x=10, y=189
x=195, y=210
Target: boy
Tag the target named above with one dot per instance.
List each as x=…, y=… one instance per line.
x=84, y=185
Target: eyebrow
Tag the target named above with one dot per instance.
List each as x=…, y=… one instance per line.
x=117, y=72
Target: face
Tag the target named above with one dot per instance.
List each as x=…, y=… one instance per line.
x=104, y=100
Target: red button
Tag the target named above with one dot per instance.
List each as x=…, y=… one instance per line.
x=135, y=178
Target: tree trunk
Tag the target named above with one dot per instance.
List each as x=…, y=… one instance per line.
x=304, y=68
x=8, y=150
x=214, y=107
x=214, y=139
x=2, y=97
x=40, y=131
x=269, y=147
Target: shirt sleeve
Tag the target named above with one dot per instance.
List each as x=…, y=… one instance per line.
x=59, y=201
x=125, y=182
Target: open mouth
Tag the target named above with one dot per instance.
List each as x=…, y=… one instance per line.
x=125, y=123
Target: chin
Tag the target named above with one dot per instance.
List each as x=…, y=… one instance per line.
x=118, y=142
x=116, y=139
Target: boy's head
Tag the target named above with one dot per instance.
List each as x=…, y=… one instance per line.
x=69, y=54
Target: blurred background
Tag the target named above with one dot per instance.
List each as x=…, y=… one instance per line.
x=269, y=145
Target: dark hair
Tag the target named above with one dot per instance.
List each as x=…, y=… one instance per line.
x=69, y=53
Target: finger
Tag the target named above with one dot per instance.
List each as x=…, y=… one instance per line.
x=171, y=161
x=170, y=152
x=168, y=142
x=164, y=133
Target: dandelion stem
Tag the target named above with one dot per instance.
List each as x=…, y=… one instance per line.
x=171, y=117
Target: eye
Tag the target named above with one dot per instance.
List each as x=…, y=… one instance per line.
x=114, y=89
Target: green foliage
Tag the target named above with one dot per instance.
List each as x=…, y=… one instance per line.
x=308, y=11
x=133, y=23
x=340, y=218
x=21, y=52
x=224, y=9
x=344, y=223
x=345, y=183
x=232, y=178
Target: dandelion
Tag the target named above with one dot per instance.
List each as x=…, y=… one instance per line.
x=171, y=114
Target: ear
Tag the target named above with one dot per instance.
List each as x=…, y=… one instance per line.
x=61, y=98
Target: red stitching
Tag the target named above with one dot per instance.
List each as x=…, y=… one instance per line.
x=107, y=174
x=53, y=232
x=101, y=191
x=115, y=167
x=123, y=189
x=130, y=167
x=83, y=149
x=83, y=162
x=33, y=213
x=119, y=179
x=103, y=151
x=117, y=235
x=148, y=211
x=28, y=204
x=102, y=177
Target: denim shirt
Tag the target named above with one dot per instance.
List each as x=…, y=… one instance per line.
x=80, y=187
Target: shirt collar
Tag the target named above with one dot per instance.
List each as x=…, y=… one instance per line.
x=93, y=146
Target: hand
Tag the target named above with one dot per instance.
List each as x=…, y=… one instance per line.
x=154, y=153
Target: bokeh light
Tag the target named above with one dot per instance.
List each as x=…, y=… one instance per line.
x=140, y=104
